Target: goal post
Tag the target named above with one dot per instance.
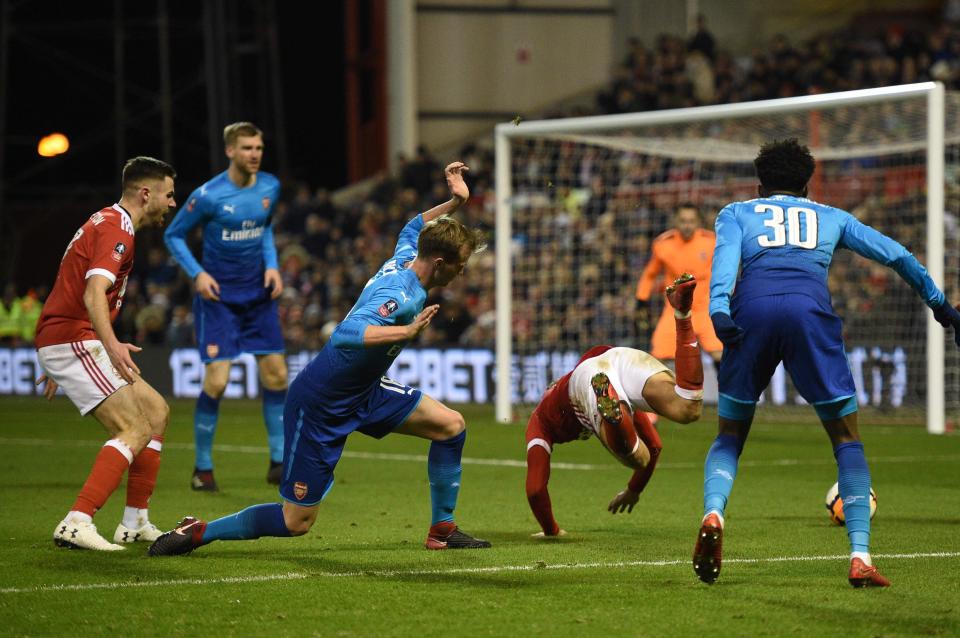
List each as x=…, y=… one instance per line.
x=879, y=151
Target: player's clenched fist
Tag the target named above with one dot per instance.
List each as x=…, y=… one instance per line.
x=454, y=174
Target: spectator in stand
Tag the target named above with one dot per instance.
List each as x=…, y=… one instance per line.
x=10, y=311
x=31, y=306
x=702, y=40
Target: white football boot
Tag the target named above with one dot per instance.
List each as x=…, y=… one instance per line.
x=147, y=532
x=81, y=536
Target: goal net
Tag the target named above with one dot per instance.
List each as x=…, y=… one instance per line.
x=580, y=200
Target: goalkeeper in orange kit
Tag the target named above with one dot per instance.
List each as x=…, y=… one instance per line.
x=685, y=248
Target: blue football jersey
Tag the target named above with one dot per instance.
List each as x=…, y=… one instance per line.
x=237, y=236
x=344, y=372
x=784, y=244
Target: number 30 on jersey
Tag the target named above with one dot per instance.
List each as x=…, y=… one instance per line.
x=788, y=230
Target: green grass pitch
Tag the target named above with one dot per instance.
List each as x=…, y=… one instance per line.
x=362, y=571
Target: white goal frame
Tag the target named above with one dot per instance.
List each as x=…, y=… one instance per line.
x=936, y=108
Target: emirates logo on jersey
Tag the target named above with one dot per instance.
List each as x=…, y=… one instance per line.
x=118, y=251
x=300, y=490
x=266, y=203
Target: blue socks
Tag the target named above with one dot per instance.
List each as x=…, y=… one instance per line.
x=444, y=470
x=253, y=522
x=273, y=401
x=204, y=427
x=719, y=470
x=854, y=478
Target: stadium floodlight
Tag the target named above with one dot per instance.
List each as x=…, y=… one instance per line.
x=578, y=201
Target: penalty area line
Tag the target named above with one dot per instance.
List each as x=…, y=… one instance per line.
x=393, y=573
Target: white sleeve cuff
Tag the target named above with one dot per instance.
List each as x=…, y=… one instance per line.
x=541, y=443
x=103, y=272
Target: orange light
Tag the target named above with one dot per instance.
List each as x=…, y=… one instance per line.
x=53, y=145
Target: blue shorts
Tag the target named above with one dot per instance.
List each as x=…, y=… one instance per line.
x=800, y=331
x=226, y=330
x=314, y=440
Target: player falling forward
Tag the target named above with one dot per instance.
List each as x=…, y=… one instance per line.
x=781, y=311
x=79, y=352
x=237, y=288
x=606, y=394
x=343, y=390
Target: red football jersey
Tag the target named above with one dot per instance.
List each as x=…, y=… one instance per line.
x=102, y=246
x=555, y=420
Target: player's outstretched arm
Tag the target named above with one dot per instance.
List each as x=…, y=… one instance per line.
x=947, y=315
x=872, y=244
x=95, y=299
x=354, y=334
x=538, y=475
x=458, y=191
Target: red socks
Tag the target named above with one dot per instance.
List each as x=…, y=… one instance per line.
x=112, y=461
x=143, y=474
x=688, y=363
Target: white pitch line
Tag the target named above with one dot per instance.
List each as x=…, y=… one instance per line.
x=422, y=458
x=494, y=569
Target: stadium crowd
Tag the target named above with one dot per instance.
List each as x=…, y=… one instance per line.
x=585, y=216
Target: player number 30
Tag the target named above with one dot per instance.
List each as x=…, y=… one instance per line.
x=790, y=232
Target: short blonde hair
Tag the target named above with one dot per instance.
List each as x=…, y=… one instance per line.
x=444, y=236
x=239, y=129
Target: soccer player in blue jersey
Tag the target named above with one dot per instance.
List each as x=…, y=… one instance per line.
x=237, y=284
x=781, y=310
x=343, y=390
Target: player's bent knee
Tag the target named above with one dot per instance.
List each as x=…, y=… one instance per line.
x=273, y=372
x=454, y=425
x=214, y=388
x=159, y=418
x=136, y=433
x=299, y=520
x=299, y=528
x=275, y=380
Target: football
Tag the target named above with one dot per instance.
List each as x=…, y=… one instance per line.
x=834, y=504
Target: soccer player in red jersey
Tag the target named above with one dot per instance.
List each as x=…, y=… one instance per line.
x=80, y=353
x=606, y=395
